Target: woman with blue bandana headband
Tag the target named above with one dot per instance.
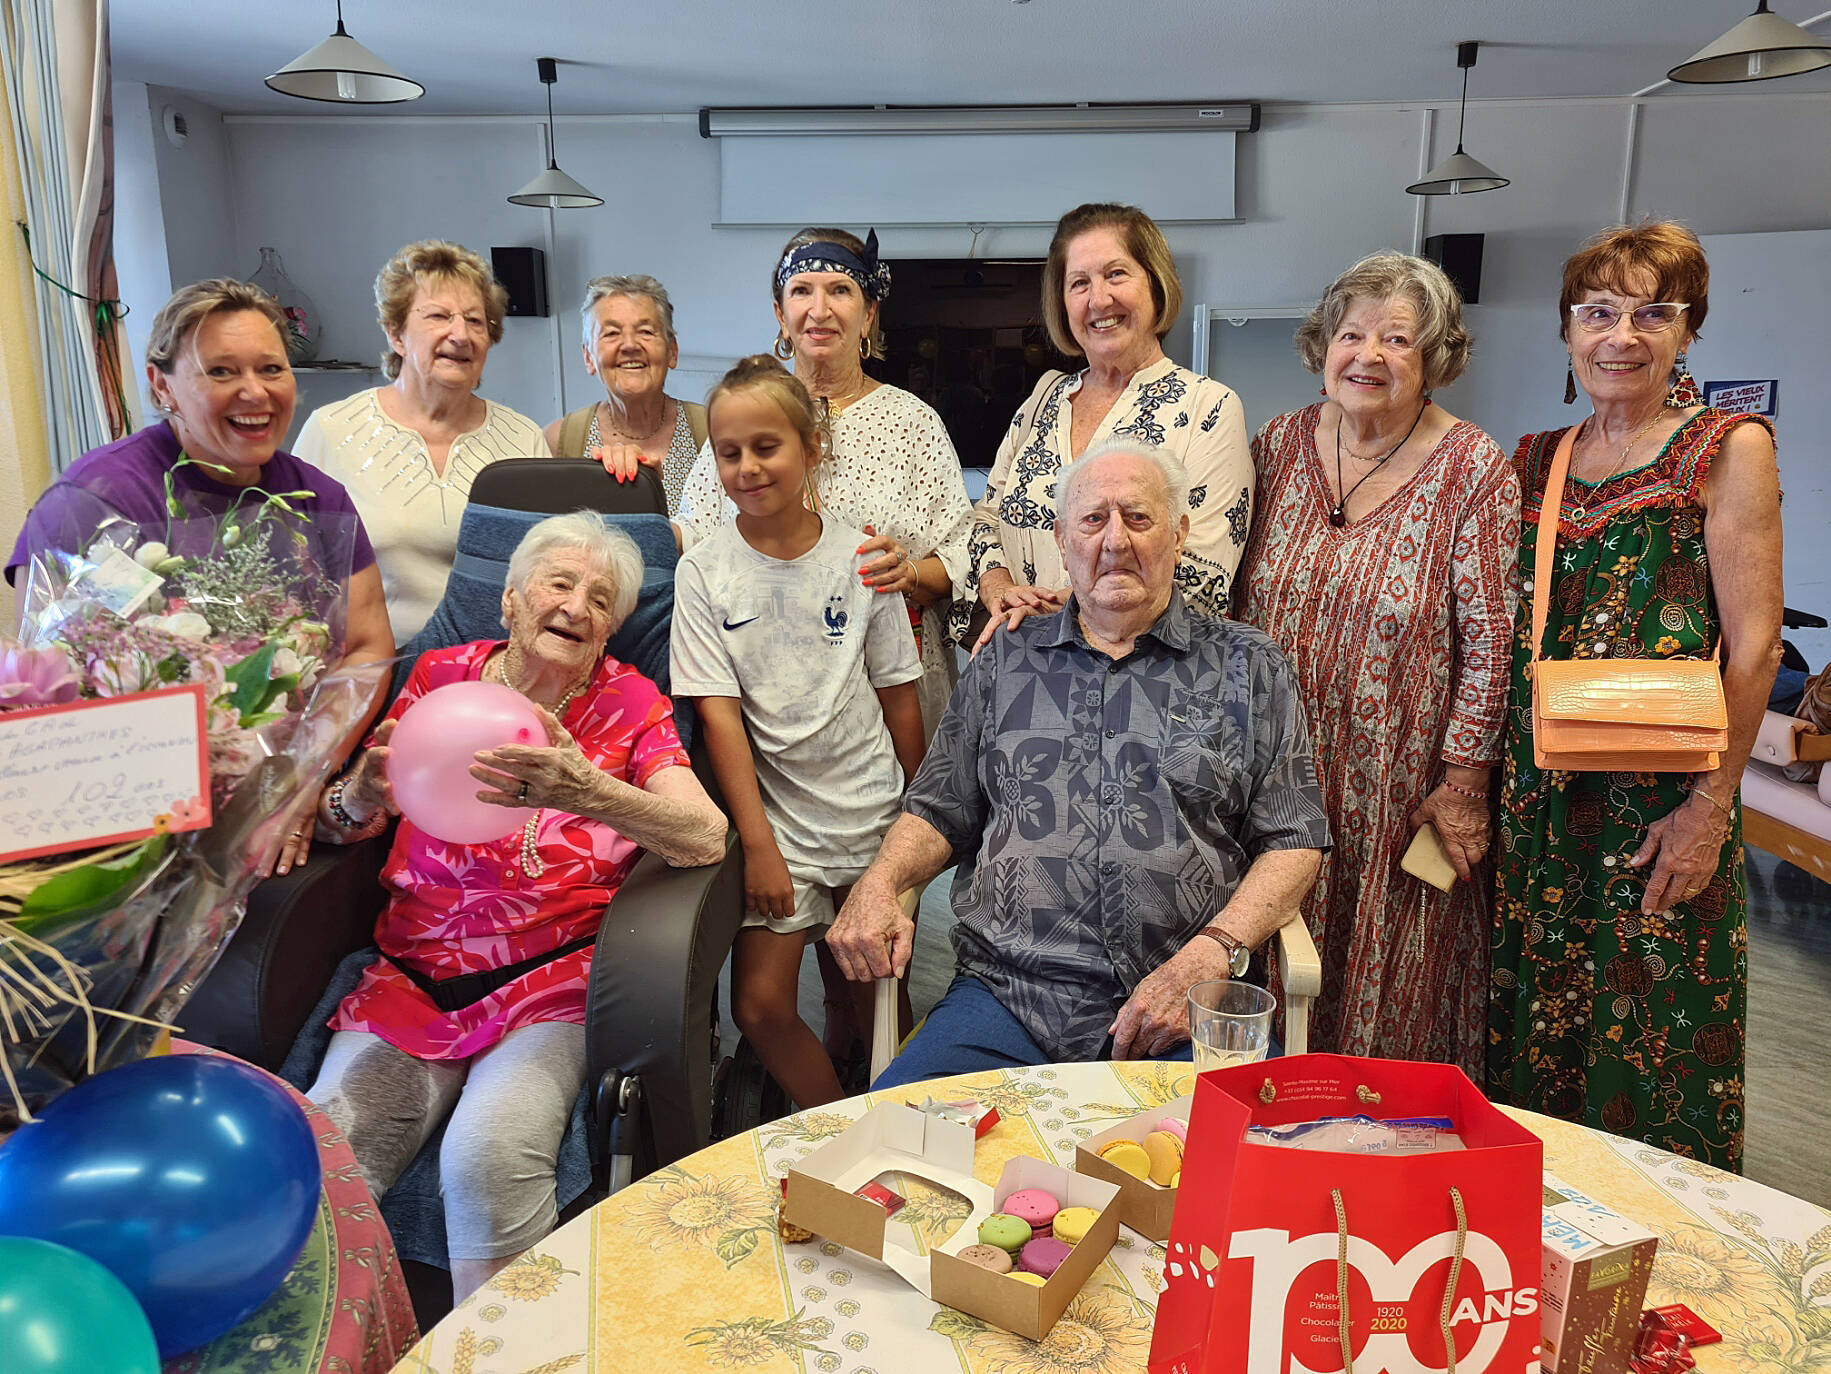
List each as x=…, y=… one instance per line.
x=892, y=470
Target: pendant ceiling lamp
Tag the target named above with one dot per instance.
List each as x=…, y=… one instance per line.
x=344, y=72
x=1459, y=174
x=553, y=189
x=1760, y=48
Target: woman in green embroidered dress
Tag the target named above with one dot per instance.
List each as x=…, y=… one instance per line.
x=1619, y=983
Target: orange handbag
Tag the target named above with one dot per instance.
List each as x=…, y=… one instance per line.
x=1597, y=715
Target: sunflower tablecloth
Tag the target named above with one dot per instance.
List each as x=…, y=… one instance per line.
x=683, y=1270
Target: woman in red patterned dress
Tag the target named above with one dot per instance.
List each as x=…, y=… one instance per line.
x=477, y=1006
x=1383, y=560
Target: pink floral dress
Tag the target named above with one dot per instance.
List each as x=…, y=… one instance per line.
x=461, y=909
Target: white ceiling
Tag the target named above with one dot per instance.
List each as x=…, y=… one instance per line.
x=477, y=56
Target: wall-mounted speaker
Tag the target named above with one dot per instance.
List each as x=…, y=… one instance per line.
x=523, y=274
x=1459, y=255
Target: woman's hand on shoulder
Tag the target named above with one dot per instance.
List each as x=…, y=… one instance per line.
x=1015, y=603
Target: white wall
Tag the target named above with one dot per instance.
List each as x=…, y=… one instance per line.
x=142, y=264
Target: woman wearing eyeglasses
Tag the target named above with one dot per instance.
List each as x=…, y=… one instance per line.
x=1620, y=953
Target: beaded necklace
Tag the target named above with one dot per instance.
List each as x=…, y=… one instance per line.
x=531, y=862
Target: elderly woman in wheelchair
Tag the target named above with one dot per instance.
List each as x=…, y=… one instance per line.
x=476, y=1007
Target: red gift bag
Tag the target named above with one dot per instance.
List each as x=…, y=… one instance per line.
x=1268, y=1243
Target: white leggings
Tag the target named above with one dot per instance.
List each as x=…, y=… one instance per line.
x=509, y=1107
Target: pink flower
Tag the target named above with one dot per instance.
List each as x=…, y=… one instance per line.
x=35, y=677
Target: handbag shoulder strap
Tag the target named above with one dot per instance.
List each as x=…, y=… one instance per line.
x=1546, y=550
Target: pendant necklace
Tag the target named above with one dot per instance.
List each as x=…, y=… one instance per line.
x=1338, y=517
x=531, y=862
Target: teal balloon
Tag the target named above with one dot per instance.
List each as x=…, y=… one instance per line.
x=62, y=1313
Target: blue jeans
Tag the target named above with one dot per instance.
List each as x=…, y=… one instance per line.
x=969, y=1030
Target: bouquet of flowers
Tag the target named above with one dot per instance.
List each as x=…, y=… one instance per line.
x=99, y=948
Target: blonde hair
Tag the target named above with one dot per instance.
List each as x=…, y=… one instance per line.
x=429, y=260
x=1143, y=240
x=179, y=317
x=761, y=372
x=1444, y=344
x=874, y=341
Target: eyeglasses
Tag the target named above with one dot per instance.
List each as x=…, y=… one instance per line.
x=1598, y=318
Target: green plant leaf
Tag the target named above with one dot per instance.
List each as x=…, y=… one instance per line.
x=956, y=1326
x=248, y=680
x=735, y=1246
x=63, y=900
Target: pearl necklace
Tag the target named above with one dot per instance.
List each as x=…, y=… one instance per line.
x=531, y=862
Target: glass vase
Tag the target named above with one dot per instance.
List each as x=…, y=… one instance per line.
x=304, y=326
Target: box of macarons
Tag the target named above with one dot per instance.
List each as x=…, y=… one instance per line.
x=1143, y=1158
x=1017, y=1261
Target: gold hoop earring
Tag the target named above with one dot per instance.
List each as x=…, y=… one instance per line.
x=864, y=349
x=783, y=349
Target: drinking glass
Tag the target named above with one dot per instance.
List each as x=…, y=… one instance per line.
x=1230, y=1023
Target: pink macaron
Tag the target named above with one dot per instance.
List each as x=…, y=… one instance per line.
x=1176, y=1126
x=1034, y=1206
x=1043, y=1256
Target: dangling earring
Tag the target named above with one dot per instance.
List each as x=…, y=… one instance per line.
x=783, y=349
x=864, y=349
x=1684, y=392
x=1570, y=381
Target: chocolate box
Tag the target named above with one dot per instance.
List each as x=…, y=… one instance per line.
x=1592, y=1283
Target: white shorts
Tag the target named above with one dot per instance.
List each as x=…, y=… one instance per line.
x=815, y=889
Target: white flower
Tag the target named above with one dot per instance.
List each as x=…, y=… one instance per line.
x=286, y=663
x=183, y=624
x=151, y=554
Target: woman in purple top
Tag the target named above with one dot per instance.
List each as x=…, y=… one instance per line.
x=217, y=369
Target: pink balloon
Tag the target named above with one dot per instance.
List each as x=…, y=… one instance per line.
x=434, y=744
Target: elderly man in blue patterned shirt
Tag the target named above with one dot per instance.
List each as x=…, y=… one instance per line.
x=1126, y=788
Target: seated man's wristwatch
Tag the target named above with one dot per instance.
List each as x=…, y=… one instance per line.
x=1238, y=956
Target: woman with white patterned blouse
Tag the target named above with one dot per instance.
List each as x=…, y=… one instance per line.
x=408, y=452
x=1110, y=295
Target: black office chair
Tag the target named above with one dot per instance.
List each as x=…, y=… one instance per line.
x=663, y=940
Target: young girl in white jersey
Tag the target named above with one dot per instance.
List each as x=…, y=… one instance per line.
x=805, y=682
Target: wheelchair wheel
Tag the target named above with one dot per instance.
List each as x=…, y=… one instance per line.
x=744, y=1096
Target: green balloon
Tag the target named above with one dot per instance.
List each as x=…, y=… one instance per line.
x=62, y=1313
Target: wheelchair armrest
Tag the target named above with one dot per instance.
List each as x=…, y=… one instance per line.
x=1300, y=972
x=650, y=1003
x=276, y=965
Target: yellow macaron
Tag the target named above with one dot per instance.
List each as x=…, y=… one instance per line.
x=1166, y=1156
x=1034, y=1280
x=1128, y=1155
x=1071, y=1223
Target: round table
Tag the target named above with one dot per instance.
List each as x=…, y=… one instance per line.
x=683, y=1270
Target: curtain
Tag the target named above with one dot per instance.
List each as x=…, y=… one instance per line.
x=57, y=72
x=24, y=466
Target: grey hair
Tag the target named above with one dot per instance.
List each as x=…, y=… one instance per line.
x=1443, y=342
x=637, y=284
x=606, y=545
x=1169, y=466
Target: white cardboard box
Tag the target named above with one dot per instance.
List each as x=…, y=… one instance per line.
x=822, y=1197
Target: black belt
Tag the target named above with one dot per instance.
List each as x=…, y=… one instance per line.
x=455, y=994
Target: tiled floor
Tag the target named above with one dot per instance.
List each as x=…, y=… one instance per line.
x=1789, y=1030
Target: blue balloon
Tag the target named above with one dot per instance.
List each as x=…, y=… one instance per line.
x=62, y=1313
x=192, y=1179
